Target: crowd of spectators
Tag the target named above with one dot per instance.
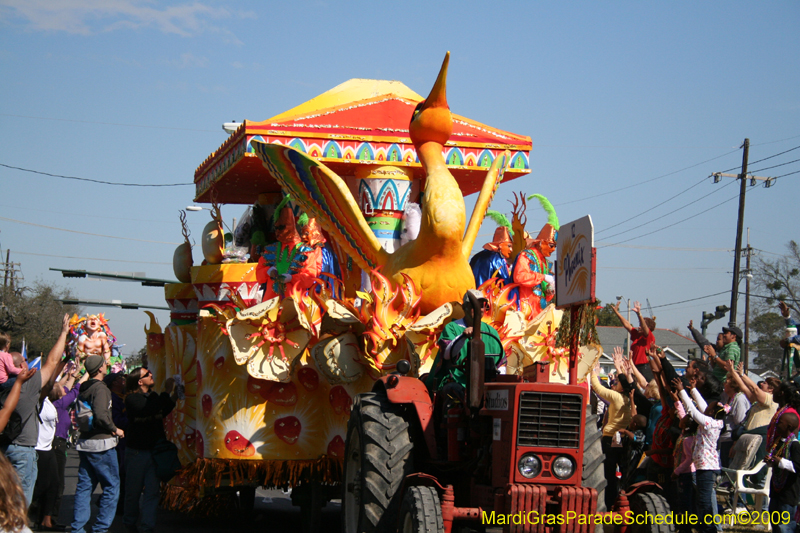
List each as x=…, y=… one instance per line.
x=683, y=432
x=62, y=405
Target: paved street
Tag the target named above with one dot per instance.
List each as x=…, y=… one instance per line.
x=273, y=512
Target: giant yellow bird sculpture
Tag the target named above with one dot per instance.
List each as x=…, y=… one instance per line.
x=437, y=261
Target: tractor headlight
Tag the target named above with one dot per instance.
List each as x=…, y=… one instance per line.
x=563, y=467
x=529, y=465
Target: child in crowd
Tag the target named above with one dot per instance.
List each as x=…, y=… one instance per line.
x=709, y=415
x=8, y=370
x=684, y=467
x=632, y=440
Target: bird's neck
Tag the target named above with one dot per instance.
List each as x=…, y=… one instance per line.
x=430, y=155
x=443, y=212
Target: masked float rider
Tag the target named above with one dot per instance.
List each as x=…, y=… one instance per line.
x=321, y=256
x=492, y=261
x=532, y=272
x=283, y=266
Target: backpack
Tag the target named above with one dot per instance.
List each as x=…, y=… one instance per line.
x=84, y=415
x=14, y=426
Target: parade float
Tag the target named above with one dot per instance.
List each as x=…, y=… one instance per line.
x=353, y=255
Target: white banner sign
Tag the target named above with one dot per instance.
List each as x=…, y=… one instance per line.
x=576, y=269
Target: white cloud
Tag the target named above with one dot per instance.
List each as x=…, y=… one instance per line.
x=188, y=61
x=86, y=17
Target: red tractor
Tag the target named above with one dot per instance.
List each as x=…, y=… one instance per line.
x=514, y=454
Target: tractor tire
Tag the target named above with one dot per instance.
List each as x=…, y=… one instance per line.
x=378, y=457
x=593, y=457
x=421, y=511
x=593, y=475
x=650, y=504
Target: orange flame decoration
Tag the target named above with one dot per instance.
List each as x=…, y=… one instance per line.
x=394, y=307
x=309, y=309
x=500, y=303
x=224, y=311
x=388, y=325
x=518, y=221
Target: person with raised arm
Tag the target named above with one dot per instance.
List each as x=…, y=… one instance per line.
x=641, y=338
x=709, y=415
x=22, y=450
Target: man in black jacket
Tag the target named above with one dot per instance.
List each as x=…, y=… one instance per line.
x=146, y=411
x=95, y=447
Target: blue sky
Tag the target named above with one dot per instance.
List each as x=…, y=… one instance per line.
x=614, y=95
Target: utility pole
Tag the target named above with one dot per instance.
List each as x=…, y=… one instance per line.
x=739, y=224
x=5, y=278
x=748, y=277
x=740, y=221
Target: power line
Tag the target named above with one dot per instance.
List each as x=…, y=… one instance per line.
x=98, y=181
x=667, y=248
x=104, y=217
x=671, y=212
x=690, y=300
x=698, y=183
x=760, y=160
x=647, y=181
x=778, y=141
x=665, y=269
x=654, y=207
x=92, y=258
x=784, y=175
x=770, y=297
x=85, y=233
x=674, y=224
x=108, y=123
x=770, y=253
x=775, y=166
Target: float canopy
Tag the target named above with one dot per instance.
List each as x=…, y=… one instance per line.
x=360, y=122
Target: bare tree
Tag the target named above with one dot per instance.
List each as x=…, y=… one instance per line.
x=779, y=280
x=34, y=314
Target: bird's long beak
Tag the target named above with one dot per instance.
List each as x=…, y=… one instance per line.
x=438, y=95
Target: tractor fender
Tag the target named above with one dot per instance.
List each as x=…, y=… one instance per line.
x=644, y=486
x=408, y=390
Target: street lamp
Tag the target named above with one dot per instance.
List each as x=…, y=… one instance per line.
x=201, y=208
x=628, y=342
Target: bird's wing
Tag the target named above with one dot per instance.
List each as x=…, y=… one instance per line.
x=324, y=195
x=490, y=183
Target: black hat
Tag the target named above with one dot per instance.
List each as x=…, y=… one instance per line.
x=111, y=378
x=93, y=363
x=627, y=386
x=736, y=331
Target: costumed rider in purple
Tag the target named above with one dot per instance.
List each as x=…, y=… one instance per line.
x=492, y=261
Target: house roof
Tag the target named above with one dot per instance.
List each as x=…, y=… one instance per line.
x=611, y=336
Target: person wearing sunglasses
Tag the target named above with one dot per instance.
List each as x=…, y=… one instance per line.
x=146, y=410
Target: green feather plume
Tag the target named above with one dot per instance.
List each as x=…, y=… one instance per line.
x=303, y=220
x=552, y=219
x=280, y=207
x=500, y=219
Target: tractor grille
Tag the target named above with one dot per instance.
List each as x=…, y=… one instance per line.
x=549, y=420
